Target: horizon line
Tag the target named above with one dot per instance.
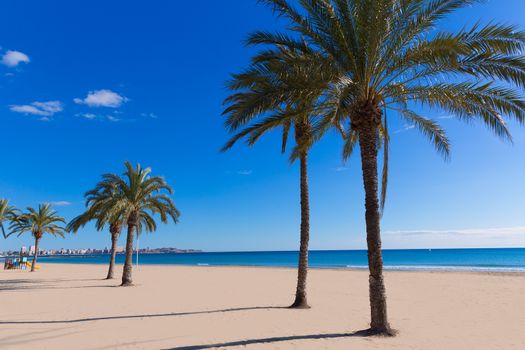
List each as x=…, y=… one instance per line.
x=196, y=250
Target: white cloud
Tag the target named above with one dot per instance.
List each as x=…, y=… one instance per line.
x=102, y=98
x=13, y=58
x=44, y=109
x=486, y=232
x=113, y=118
x=27, y=109
x=341, y=168
x=87, y=115
x=405, y=128
x=60, y=203
x=50, y=106
x=92, y=116
x=149, y=115
x=244, y=172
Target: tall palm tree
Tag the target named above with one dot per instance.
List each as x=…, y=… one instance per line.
x=302, y=129
x=7, y=213
x=39, y=222
x=138, y=196
x=95, y=200
x=270, y=71
x=387, y=55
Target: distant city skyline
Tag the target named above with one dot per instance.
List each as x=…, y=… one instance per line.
x=25, y=251
x=78, y=102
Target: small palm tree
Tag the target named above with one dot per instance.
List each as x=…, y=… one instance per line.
x=138, y=197
x=95, y=200
x=7, y=213
x=45, y=220
x=386, y=55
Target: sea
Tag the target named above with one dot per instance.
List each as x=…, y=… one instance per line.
x=485, y=260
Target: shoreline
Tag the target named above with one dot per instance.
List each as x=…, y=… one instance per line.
x=510, y=260
x=292, y=268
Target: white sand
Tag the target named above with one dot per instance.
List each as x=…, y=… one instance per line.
x=70, y=307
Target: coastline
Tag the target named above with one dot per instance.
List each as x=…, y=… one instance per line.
x=504, y=260
x=445, y=270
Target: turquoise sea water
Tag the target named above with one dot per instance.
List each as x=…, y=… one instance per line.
x=497, y=260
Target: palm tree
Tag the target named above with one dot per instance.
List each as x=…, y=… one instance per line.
x=138, y=196
x=95, y=200
x=7, y=213
x=270, y=71
x=386, y=55
x=39, y=222
x=303, y=130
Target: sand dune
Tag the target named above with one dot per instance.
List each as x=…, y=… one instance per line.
x=173, y=307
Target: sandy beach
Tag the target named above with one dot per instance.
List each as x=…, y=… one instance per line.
x=174, y=307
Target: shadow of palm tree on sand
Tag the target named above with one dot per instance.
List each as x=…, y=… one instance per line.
x=362, y=333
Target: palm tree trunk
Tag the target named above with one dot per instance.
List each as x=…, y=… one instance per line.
x=300, y=294
x=128, y=264
x=114, y=239
x=35, y=255
x=368, y=123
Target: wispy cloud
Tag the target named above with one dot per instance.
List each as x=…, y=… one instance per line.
x=149, y=115
x=484, y=232
x=446, y=117
x=89, y=116
x=454, y=238
x=43, y=109
x=244, y=172
x=100, y=117
x=341, y=168
x=60, y=203
x=14, y=58
x=102, y=98
x=113, y=118
x=405, y=128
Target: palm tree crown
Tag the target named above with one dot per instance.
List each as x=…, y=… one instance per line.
x=45, y=220
x=7, y=213
x=385, y=55
x=137, y=197
x=270, y=71
x=96, y=200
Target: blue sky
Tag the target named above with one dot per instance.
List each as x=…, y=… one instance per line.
x=85, y=86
